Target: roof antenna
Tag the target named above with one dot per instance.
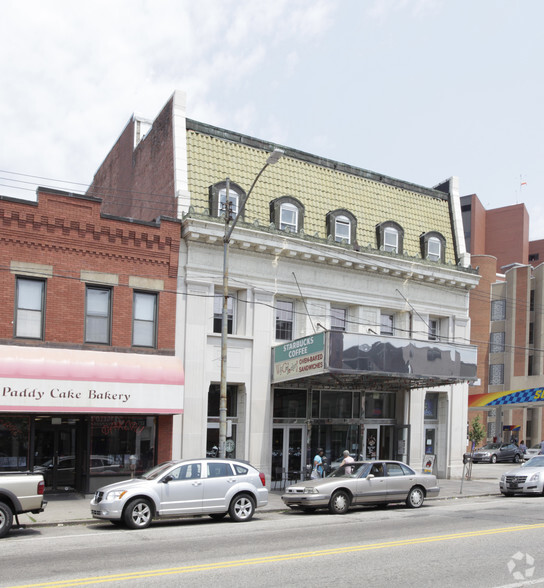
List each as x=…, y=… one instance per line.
x=303, y=300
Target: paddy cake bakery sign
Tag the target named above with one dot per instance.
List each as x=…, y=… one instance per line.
x=53, y=380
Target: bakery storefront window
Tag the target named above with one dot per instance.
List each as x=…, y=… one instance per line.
x=13, y=443
x=121, y=446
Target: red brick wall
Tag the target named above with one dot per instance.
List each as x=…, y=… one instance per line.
x=164, y=440
x=69, y=233
x=139, y=182
x=536, y=247
x=507, y=234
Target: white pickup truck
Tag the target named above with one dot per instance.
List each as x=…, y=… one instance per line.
x=19, y=492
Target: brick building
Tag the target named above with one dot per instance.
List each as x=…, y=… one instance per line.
x=89, y=380
x=368, y=271
x=507, y=316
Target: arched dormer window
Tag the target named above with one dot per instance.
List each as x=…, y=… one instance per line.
x=218, y=198
x=433, y=246
x=342, y=226
x=390, y=237
x=287, y=213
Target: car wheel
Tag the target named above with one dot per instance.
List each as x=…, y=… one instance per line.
x=6, y=519
x=217, y=516
x=493, y=459
x=138, y=514
x=340, y=502
x=516, y=458
x=415, y=497
x=242, y=508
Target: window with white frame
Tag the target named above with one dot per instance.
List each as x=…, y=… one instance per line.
x=391, y=239
x=496, y=374
x=218, y=313
x=342, y=229
x=386, y=324
x=338, y=319
x=29, y=308
x=434, y=249
x=498, y=310
x=284, y=320
x=496, y=342
x=144, y=319
x=433, y=245
x=288, y=217
x=98, y=315
x=234, y=199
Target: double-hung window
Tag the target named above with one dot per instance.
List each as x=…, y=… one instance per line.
x=234, y=200
x=30, y=306
x=288, y=217
x=98, y=315
x=391, y=239
x=338, y=319
x=434, y=249
x=284, y=320
x=144, y=319
x=218, y=313
x=434, y=329
x=342, y=229
x=386, y=324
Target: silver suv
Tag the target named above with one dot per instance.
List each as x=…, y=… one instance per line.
x=215, y=487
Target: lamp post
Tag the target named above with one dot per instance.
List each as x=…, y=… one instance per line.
x=271, y=160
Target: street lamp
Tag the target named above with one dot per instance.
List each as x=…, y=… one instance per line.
x=272, y=159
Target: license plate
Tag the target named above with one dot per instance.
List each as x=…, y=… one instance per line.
x=512, y=486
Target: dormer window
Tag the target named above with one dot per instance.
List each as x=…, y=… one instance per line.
x=287, y=213
x=218, y=199
x=390, y=237
x=288, y=217
x=433, y=246
x=342, y=226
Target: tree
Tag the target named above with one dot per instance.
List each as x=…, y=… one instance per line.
x=476, y=432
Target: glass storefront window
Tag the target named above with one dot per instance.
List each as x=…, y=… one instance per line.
x=379, y=405
x=214, y=393
x=13, y=443
x=121, y=446
x=336, y=404
x=289, y=404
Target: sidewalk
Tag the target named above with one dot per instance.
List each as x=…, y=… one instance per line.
x=70, y=509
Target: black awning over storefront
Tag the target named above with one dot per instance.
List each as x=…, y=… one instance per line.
x=354, y=360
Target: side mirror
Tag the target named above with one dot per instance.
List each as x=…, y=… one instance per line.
x=369, y=476
x=167, y=479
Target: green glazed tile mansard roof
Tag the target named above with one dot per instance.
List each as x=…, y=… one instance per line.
x=321, y=185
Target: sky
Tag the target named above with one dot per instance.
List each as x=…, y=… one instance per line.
x=419, y=90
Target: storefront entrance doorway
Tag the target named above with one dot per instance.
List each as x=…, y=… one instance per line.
x=288, y=454
x=378, y=442
x=55, y=451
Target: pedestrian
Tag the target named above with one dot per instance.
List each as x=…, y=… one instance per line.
x=542, y=447
x=522, y=446
x=346, y=461
x=318, y=464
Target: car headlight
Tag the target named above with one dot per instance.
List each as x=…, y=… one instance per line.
x=535, y=477
x=115, y=494
x=311, y=490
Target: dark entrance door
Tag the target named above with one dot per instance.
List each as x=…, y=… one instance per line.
x=56, y=453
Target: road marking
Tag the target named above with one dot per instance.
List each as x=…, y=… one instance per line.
x=277, y=558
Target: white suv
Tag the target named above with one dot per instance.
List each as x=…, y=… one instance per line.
x=216, y=487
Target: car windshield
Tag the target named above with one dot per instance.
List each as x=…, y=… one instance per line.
x=157, y=471
x=535, y=462
x=492, y=446
x=354, y=470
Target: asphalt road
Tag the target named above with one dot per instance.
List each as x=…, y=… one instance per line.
x=491, y=541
